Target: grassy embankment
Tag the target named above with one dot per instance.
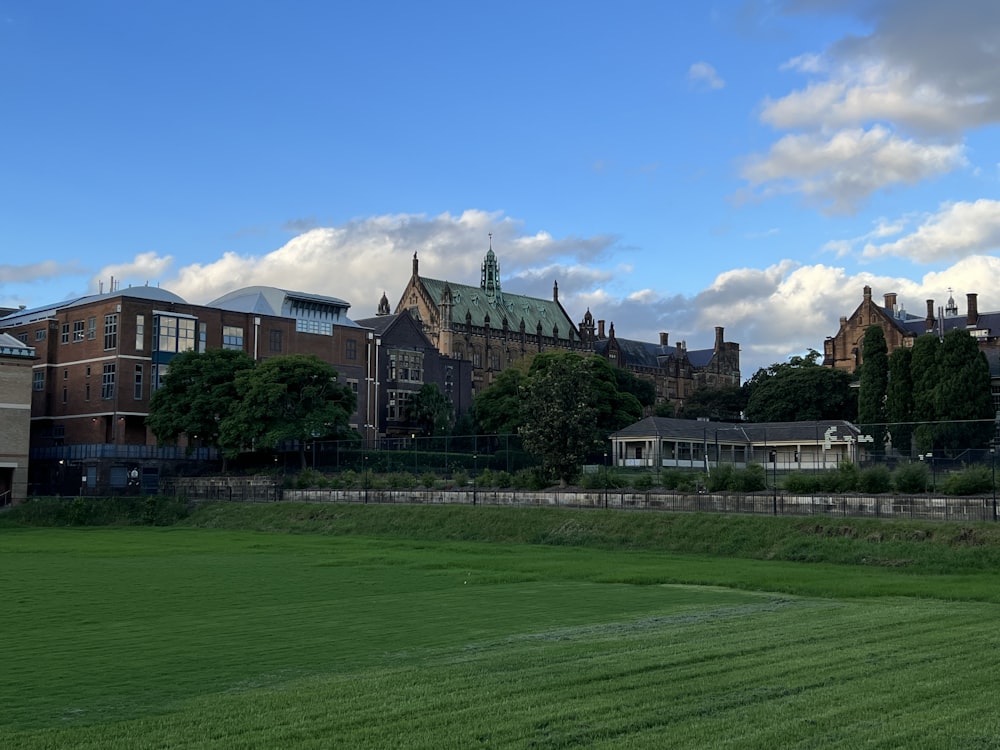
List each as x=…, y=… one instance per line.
x=308, y=626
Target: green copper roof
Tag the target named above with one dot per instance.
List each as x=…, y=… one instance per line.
x=474, y=302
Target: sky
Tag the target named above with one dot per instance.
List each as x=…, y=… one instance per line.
x=750, y=164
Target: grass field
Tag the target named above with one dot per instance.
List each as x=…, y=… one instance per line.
x=211, y=638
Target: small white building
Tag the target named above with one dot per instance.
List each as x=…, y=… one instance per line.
x=786, y=446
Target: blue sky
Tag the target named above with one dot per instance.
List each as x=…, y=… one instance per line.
x=675, y=166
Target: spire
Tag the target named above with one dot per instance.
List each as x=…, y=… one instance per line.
x=383, y=306
x=415, y=264
x=490, y=280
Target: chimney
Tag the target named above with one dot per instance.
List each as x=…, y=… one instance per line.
x=600, y=329
x=555, y=291
x=972, y=313
x=664, y=338
x=718, y=338
x=890, y=303
x=868, y=293
x=930, y=315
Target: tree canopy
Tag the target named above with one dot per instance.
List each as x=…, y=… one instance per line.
x=289, y=397
x=196, y=396
x=429, y=410
x=873, y=383
x=799, y=390
x=716, y=404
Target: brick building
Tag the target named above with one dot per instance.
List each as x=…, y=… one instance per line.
x=99, y=358
x=16, y=360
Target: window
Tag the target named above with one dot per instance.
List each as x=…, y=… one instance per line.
x=65, y=374
x=140, y=332
x=65, y=394
x=398, y=401
x=111, y=331
x=352, y=349
x=353, y=385
x=88, y=371
x=314, y=326
x=137, y=390
x=64, y=337
x=108, y=382
x=275, y=339
x=86, y=392
x=172, y=334
x=91, y=329
x=159, y=373
x=40, y=334
x=38, y=380
x=232, y=337
x=77, y=331
x=477, y=358
x=202, y=336
x=494, y=361
x=23, y=338
x=406, y=365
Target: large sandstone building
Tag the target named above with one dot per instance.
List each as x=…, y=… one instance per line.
x=493, y=328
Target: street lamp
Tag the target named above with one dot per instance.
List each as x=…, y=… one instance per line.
x=993, y=467
x=605, y=479
x=774, y=481
x=475, y=478
x=365, y=478
x=413, y=439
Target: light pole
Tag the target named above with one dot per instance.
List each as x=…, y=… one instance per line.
x=774, y=481
x=993, y=466
x=413, y=439
x=605, y=479
x=365, y=478
x=475, y=478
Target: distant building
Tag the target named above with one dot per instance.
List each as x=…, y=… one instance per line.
x=843, y=350
x=676, y=372
x=100, y=357
x=16, y=360
x=687, y=443
x=405, y=362
x=485, y=325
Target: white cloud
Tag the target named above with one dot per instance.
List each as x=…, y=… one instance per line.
x=838, y=172
x=957, y=230
x=704, y=74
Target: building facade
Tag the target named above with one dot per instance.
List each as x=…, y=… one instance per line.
x=484, y=325
x=100, y=357
x=675, y=371
x=16, y=361
x=406, y=361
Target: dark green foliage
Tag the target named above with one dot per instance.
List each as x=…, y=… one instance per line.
x=875, y=480
x=196, y=397
x=717, y=404
x=972, y=480
x=626, y=382
x=430, y=411
x=666, y=409
x=290, y=397
x=963, y=393
x=924, y=372
x=800, y=390
x=727, y=478
x=642, y=482
x=498, y=408
x=911, y=478
x=899, y=409
x=120, y=510
x=872, y=389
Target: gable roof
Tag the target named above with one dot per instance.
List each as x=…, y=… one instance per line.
x=757, y=433
x=646, y=354
x=474, y=302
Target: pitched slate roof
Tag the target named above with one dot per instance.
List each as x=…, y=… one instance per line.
x=645, y=354
x=757, y=433
x=474, y=302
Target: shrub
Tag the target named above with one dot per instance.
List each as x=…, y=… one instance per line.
x=459, y=478
x=643, y=481
x=875, y=480
x=720, y=478
x=911, y=478
x=846, y=477
x=803, y=483
x=428, y=479
x=672, y=479
x=751, y=479
x=401, y=480
x=972, y=480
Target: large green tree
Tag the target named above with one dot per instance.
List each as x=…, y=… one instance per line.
x=899, y=399
x=873, y=382
x=925, y=375
x=616, y=408
x=196, y=396
x=497, y=409
x=558, y=415
x=798, y=391
x=962, y=399
x=289, y=397
x=717, y=404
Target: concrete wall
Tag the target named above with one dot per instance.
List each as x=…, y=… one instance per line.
x=15, y=428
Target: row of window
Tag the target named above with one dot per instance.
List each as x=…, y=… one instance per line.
x=406, y=365
x=108, y=373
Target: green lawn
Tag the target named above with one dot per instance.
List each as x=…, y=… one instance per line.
x=190, y=638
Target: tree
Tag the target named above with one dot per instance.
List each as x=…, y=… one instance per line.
x=962, y=398
x=289, y=397
x=497, y=409
x=899, y=399
x=616, y=408
x=924, y=371
x=430, y=410
x=196, y=396
x=873, y=383
x=717, y=404
x=626, y=382
x=558, y=417
x=798, y=391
